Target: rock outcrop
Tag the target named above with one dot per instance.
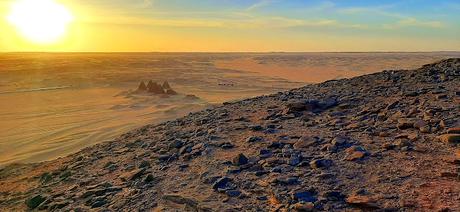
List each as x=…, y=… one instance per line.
x=370, y=143
x=155, y=88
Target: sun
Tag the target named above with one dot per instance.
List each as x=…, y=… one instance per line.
x=40, y=21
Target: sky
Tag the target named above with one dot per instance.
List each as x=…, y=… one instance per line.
x=249, y=26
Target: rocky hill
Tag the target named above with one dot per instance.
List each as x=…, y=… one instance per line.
x=386, y=141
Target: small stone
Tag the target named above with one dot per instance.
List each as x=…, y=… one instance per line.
x=294, y=160
x=320, y=163
x=176, y=144
x=419, y=124
x=334, y=196
x=362, y=201
x=339, y=141
x=227, y=146
x=388, y=146
x=441, y=96
x=35, y=201
x=144, y=164
x=304, y=207
x=404, y=124
x=221, y=183
x=149, y=178
x=99, y=203
x=286, y=180
x=450, y=138
x=252, y=139
x=356, y=155
x=275, y=145
x=135, y=174
x=233, y=193
x=45, y=178
x=304, y=142
x=402, y=143
x=425, y=129
x=304, y=196
x=240, y=160
x=256, y=128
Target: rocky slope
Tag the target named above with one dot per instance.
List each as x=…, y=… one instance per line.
x=385, y=141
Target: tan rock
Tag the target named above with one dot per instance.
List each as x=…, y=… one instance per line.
x=404, y=124
x=303, y=207
x=304, y=142
x=356, y=155
x=362, y=201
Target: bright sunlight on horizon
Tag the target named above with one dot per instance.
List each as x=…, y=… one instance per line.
x=40, y=21
x=229, y=26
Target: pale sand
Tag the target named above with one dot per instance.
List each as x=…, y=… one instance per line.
x=320, y=67
x=52, y=105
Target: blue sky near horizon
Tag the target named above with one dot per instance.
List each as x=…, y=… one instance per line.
x=267, y=25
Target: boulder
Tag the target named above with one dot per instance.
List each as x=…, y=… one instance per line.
x=35, y=201
x=240, y=160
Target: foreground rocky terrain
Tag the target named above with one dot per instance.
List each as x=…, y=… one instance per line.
x=386, y=141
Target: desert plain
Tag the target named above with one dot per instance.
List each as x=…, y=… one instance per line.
x=55, y=104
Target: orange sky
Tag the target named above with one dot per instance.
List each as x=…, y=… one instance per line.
x=264, y=25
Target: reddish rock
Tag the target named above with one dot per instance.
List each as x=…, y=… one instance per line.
x=362, y=201
x=355, y=153
x=303, y=207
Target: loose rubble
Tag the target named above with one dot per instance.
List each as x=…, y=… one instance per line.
x=366, y=143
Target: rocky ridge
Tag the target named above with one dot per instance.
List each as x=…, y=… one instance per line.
x=387, y=141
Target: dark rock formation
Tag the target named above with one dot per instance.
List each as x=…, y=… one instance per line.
x=155, y=88
x=142, y=87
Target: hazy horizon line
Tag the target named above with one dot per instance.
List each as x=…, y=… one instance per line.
x=226, y=52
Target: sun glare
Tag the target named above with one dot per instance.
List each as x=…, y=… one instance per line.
x=40, y=21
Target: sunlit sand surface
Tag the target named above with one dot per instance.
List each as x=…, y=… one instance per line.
x=52, y=105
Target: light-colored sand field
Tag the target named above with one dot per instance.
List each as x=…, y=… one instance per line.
x=52, y=105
